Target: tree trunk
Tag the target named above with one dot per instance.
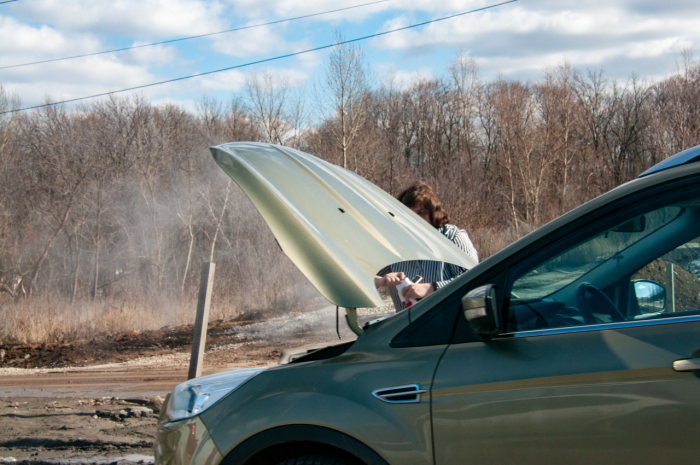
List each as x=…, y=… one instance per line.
x=45, y=253
x=189, y=255
x=96, y=271
x=74, y=291
x=218, y=224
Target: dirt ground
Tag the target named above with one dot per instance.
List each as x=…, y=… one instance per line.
x=74, y=430
x=97, y=401
x=117, y=348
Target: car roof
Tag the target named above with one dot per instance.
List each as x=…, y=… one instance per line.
x=691, y=155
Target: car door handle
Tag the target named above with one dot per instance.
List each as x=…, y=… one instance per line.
x=689, y=364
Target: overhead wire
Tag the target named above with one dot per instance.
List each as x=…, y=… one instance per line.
x=170, y=41
x=266, y=60
x=7, y=1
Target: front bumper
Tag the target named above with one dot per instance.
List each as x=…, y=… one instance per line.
x=184, y=442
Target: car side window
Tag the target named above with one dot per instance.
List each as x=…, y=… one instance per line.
x=668, y=284
x=613, y=274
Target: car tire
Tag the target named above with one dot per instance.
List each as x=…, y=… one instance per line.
x=315, y=460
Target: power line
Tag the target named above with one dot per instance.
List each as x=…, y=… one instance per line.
x=190, y=37
x=266, y=60
x=8, y=1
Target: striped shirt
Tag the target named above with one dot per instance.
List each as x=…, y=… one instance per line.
x=437, y=273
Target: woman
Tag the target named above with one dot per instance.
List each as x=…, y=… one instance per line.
x=420, y=198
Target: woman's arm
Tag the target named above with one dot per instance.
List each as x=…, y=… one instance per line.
x=389, y=279
x=461, y=240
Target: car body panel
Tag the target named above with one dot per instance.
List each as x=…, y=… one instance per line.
x=603, y=393
x=337, y=394
x=184, y=442
x=607, y=396
x=338, y=228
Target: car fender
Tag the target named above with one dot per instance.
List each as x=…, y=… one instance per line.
x=252, y=450
x=400, y=433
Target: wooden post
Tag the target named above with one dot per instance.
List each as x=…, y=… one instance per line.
x=206, y=283
x=670, y=288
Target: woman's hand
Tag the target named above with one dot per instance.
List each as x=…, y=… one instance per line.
x=389, y=280
x=417, y=291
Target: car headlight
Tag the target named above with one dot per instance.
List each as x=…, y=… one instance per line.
x=196, y=395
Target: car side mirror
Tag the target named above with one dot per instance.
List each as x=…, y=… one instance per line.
x=481, y=310
x=651, y=296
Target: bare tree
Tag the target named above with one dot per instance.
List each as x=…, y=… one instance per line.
x=388, y=114
x=60, y=162
x=346, y=94
x=10, y=193
x=111, y=142
x=117, y=199
x=465, y=78
x=268, y=99
x=677, y=100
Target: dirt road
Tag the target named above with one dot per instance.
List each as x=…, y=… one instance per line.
x=82, y=415
x=53, y=411
x=120, y=381
x=73, y=416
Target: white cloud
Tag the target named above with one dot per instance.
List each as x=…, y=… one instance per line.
x=527, y=35
x=67, y=80
x=282, y=9
x=517, y=40
x=289, y=8
x=158, y=55
x=310, y=62
x=259, y=42
x=251, y=42
x=654, y=48
x=403, y=79
x=126, y=18
x=74, y=78
x=293, y=77
x=26, y=43
x=453, y=6
x=231, y=81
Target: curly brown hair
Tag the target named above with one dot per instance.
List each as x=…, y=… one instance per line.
x=419, y=193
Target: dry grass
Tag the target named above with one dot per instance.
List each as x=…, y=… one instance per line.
x=46, y=319
x=53, y=320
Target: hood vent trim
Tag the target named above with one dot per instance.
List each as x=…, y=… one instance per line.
x=408, y=394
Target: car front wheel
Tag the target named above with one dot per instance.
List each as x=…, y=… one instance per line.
x=316, y=460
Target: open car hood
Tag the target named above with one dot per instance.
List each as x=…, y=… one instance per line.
x=338, y=228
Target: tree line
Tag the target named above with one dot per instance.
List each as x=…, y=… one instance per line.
x=120, y=197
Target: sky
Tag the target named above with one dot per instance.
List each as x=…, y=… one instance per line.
x=517, y=41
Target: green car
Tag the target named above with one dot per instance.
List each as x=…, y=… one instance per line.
x=580, y=343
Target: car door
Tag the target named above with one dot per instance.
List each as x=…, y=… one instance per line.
x=584, y=372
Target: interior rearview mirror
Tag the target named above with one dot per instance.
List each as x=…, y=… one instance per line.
x=635, y=225
x=480, y=308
